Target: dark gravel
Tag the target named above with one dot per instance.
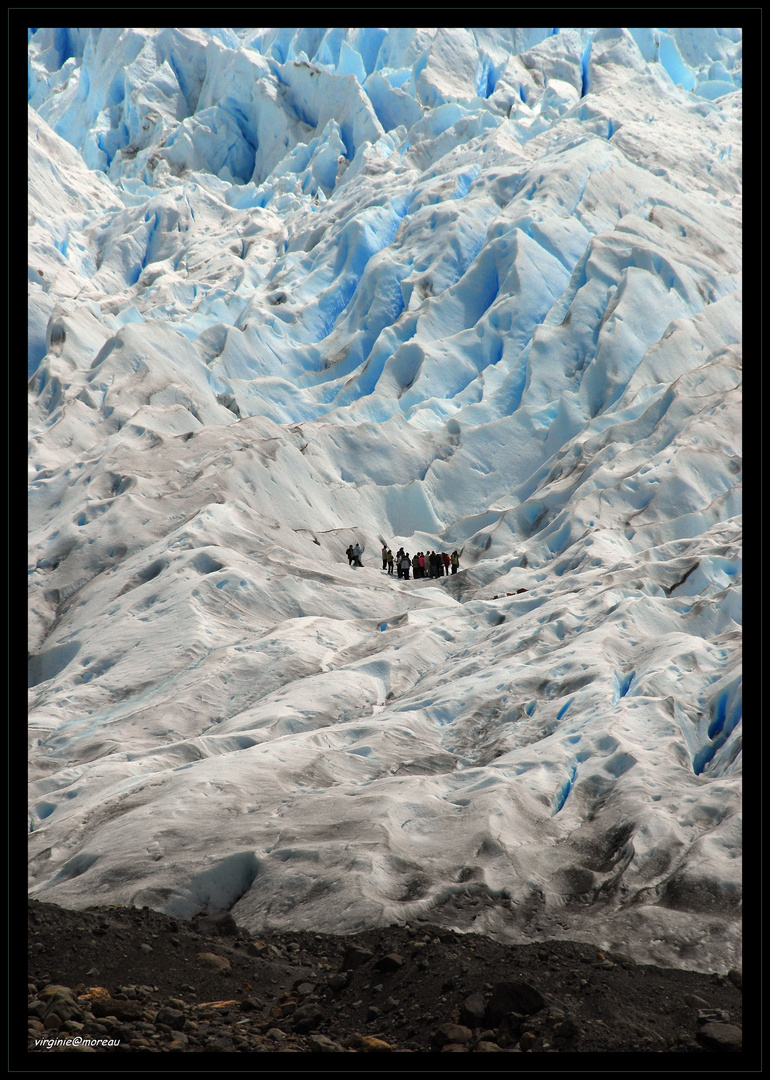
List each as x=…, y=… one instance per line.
x=125, y=981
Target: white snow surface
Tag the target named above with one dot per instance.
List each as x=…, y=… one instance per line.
x=473, y=289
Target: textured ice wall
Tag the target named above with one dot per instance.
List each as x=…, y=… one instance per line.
x=473, y=289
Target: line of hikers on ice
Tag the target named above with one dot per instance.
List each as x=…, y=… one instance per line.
x=425, y=564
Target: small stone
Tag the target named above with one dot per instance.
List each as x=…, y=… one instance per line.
x=173, y=1018
x=484, y=1046
x=355, y=957
x=717, y=1036
x=323, y=1044
x=472, y=1010
x=708, y=1016
x=307, y=1017
x=63, y=1003
x=102, y=1007
x=392, y=962
x=568, y=1028
x=509, y=1029
x=214, y=962
x=371, y=1043
x=451, y=1033
x=527, y=1040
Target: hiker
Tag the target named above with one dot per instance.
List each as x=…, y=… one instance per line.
x=349, y=554
x=404, y=565
x=445, y=557
x=384, y=556
x=455, y=560
x=415, y=566
x=421, y=559
x=389, y=561
x=357, y=553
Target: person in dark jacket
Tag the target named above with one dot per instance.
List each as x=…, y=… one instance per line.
x=455, y=561
x=349, y=554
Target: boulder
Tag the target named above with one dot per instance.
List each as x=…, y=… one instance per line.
x=512, y=997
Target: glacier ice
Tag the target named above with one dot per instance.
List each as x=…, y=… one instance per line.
x=436, y=288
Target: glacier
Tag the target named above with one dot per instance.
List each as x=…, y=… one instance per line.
x=432, y=288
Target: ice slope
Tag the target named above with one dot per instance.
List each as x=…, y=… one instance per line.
x=443, y=288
